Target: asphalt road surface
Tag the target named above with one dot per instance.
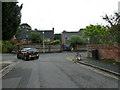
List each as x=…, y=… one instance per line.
x=55, y=70
x=8, y=57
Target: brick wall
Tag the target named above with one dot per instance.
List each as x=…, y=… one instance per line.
x=106, y=52
x=81, y=47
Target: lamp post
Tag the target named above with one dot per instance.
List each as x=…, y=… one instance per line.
x=88, y=47
x=43, y=43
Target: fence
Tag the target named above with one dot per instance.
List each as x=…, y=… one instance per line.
x=39, y=47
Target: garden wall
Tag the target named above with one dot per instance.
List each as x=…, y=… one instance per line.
x=39, y=47
x=106, y=51
x=81, y=47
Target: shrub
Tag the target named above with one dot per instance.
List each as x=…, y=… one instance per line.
x=55, y=42
x=7, y=46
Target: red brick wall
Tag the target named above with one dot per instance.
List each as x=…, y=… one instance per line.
x=107, y=52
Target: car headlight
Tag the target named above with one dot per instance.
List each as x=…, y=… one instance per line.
x=37, y=55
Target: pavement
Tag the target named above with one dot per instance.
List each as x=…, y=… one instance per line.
x=107, y=67
x=6, y=66
x=7, y=62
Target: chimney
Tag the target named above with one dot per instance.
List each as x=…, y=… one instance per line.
x=53, y=28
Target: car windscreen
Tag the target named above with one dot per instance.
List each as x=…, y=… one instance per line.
x=24, y=49
x=33, y=50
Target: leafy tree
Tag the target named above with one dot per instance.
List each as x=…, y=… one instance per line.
x=57, y=37
x=115, y=33
x=97, y=34
x=11, y=18
x=35, y=36
x=94, y=30
x=76, y=39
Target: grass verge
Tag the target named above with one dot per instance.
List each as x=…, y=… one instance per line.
x=106, y=61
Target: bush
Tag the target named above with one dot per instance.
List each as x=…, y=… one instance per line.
x=55, y=42
x=76, y=39
x=7, y=47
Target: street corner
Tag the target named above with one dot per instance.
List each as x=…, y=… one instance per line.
x=6, y=66
x=71, y=58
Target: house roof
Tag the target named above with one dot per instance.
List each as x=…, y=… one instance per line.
x=47, y=33
x=23, y=34
x=72, y=33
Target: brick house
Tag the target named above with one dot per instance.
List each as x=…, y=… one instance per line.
x=65, y=37
x=23, y=35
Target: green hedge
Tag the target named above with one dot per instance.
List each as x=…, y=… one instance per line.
x=7, y=47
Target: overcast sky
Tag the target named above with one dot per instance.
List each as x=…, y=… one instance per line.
x=69, y=15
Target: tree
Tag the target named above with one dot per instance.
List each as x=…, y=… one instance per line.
x=76, y=39
x=25, y=26
x=64, y=31
x=57, y=37
x=115, y=33
x=35, y=29
x=113, y=26
x=35, y=36
x=11, y=18
x=96, y=34
x=94, y=30
x=112, y=19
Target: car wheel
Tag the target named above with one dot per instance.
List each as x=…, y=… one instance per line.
x=37, y=57
x=18, y=57
x=25, y=58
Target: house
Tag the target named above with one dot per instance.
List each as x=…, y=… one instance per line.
x=66, y=35
x=22, y=37
x=48, y=35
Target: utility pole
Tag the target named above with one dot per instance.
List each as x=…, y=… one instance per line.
x=43, y=43
x=88, y=47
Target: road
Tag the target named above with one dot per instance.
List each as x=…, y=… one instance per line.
x=8, y=57
x=55, y=70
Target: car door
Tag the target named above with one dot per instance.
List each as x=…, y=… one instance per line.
x=21, y=53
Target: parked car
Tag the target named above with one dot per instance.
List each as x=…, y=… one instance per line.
x=67, y=47
x=28, y=53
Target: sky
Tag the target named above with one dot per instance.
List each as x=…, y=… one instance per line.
x=69, y=15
